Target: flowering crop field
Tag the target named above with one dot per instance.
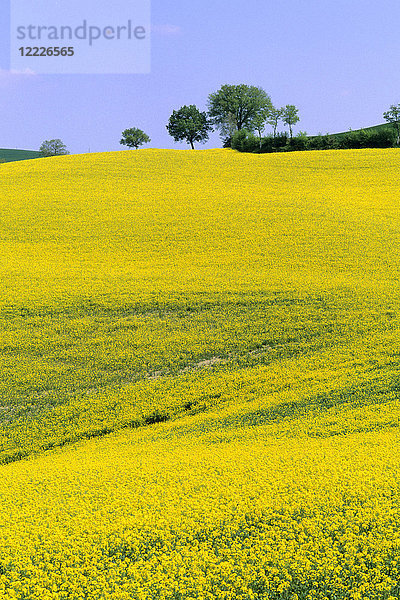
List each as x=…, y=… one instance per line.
x=200, y=360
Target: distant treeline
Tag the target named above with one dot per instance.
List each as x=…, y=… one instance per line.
x=245, y=141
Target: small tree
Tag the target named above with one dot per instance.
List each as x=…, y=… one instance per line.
x=53, y=148
x=259, y=123
x=228, y=129
x=273, y=117
x=392, y=116
x=134, y=138
x=189, y=124
x=290, y=117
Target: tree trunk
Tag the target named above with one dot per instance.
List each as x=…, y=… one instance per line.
x=191, y=143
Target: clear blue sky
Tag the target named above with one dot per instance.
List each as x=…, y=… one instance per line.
x=336, y=60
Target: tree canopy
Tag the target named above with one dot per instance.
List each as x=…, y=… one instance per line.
x=239, y=105
x=273, y=118
x=53, y=148
x=393, y=116
x=134, y=138
x=189, y=124
x=290, y=116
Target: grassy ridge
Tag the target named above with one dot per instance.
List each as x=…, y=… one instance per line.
x=372, y=129
x=10, y=155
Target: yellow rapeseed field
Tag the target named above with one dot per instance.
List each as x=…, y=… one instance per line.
x=199, y=358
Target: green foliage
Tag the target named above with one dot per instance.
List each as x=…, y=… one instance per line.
x=332, y=142
x=240, y=106
x=281, y=141
x=247, y=142
x=392, y=116
x=134, y=138
x=375, y=137
x=355, y=139
x=259, y=123
x=274, y=117
x=384, y=138
x=290, y=117
x=299, y=142
x=189, y=124
x=369, y=138
x=228, y=128
x=53, y=148
x=244, y=141
x=267, y=144
x=323, y=142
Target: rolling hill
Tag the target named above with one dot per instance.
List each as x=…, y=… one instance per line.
x=199, y=358
x=372, y=129
x=10, y=155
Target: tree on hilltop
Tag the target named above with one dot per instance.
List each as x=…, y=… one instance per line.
x=189, y=124
x=273, y=118
x=228, y=130
x=242, y=106
x=134, y=138
x=259, y=122
x=53, y=148
x=392, y=116
x=290, y=117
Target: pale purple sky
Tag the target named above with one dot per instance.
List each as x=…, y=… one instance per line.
x=336, y=60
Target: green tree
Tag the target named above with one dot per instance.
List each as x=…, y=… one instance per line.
x=53, y=148
x=245, y=141
x=228, y=130
x=290, y=117
x=189, y=124
x=134, y=138
x=392, y=116
x=259, y=123
x=239, y=105
x=273, y=118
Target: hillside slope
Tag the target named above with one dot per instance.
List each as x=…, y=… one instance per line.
x=227, y=327
x=235, y=260
x=371, y=129
x=10, y=155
